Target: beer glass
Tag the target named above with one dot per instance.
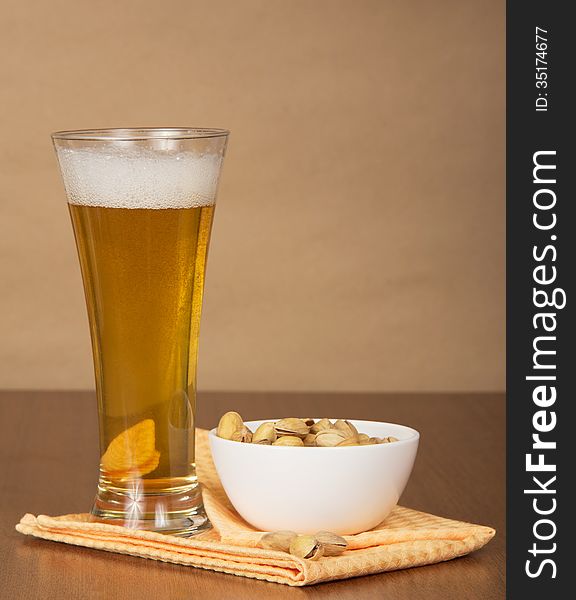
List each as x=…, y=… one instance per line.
x=141, y=203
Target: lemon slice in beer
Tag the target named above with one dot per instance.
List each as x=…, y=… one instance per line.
x=133, y=452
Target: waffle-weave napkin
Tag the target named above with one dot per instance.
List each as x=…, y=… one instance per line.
x=407, y=538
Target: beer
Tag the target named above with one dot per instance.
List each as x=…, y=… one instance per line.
x=143, y=275
x=142, y=223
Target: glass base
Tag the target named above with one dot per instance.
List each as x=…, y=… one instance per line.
x=179, y=512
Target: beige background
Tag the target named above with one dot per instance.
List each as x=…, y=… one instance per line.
x=359, y=239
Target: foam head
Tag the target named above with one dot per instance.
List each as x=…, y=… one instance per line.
x=115, y=177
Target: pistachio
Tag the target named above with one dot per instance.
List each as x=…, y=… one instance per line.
x=292, y=426
x=264, y=434
x=229, y=423
x=333, y=544
x=306, y=546
x=242, y=435
x=293, y=431
x=310, y=439
x=349, y=441
x=277, y=540
x=329, y=437
x=321, y=425
x=346, y=427
x=288, y=440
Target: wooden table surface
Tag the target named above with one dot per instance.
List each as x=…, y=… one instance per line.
x=48, y=465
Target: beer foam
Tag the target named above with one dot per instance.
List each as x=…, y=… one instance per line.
x=139, y=178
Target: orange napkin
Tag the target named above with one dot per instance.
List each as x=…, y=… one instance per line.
x=407, y=538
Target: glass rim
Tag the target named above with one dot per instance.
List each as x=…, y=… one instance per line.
x=129, y=134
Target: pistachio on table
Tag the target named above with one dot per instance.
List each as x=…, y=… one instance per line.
x=306, y=546
x=278, y=540
x=333, y=544
x=309, y=547
x=293, y=431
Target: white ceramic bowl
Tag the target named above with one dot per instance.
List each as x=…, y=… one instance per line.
x=345, y=490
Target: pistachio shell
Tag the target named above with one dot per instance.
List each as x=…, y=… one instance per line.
x=292, y=426
x=229, y=423
x=264, y=434
x=333, y=544
x=389, y=439
x=321, y=425
x=309, y=422
x=306, y=546
x=242, y=435
x=277, y=540
x=310, y=439
x=288, y=440
x=346, y=427
x=349, y=441
x=329, y=437
x=375, y=440
x=363, y=438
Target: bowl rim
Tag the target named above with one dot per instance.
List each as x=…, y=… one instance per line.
x=414, y=437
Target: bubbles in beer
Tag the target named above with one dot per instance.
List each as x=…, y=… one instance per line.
x=139, y=178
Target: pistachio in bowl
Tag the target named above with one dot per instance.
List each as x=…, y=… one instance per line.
x=293, y=431
x=306, y=475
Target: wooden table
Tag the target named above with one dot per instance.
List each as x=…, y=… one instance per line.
x=48, y=459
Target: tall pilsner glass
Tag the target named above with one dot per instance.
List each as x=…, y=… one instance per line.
x=142, y=202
